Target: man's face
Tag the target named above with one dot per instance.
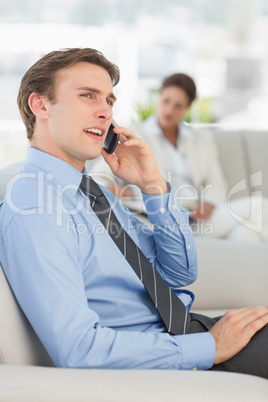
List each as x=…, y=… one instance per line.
x=81, y=115
x=173, y=104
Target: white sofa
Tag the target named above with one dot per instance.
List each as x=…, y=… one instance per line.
x=27, y=374
x=231, y=275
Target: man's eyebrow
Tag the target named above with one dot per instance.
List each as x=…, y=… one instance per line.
x=97, y=91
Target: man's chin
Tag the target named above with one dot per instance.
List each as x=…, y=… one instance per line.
x=92, y=156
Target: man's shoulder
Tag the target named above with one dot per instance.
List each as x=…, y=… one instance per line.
x=26, y=191
x=31, y=200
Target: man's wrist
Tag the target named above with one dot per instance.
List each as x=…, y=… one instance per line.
x=155, y=188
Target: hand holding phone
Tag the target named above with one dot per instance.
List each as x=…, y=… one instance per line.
x=111, y=140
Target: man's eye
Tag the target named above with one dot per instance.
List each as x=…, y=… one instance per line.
x=87, y=95
x=109, y=102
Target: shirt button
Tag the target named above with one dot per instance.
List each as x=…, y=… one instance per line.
x=188, y=247
x=173, y=206
x=162, y=210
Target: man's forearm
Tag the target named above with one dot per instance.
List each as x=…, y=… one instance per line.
x=175, y=256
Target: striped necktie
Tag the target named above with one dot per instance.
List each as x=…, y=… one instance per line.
x=171, y=309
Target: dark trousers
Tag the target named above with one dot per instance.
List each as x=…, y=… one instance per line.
x=253, y=359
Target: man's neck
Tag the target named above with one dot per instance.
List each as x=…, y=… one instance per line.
x=51, y=149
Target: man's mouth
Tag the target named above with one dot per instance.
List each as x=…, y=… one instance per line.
x=94, y=131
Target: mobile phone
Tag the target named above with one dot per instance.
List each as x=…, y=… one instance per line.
x=111, y=140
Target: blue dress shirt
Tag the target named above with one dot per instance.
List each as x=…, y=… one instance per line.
x=79, y=293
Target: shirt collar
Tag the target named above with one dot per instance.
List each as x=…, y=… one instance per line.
x=63, y=173
x=185, y=131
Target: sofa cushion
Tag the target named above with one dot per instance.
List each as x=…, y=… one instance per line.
x=18, y=342
x=43, y=384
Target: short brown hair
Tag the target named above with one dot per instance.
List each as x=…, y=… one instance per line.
x=41, y=77
x=182, y=81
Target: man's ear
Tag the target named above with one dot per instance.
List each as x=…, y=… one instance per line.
x=38, y=105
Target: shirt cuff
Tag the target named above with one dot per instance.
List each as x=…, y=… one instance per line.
x=163, y=208
x=198, y=351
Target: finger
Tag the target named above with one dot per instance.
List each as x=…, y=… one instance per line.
x=125, y=132
x=253, y=312
x=240, y=313
x=256, y=313
x=122, y=138
x=247, y=315
x=134, y=142
x=129, y=138
x=256, y=325
x=110, y=159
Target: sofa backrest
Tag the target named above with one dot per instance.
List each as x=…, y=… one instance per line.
x=6, y=175
x=18, y=342
x=231, y=274
x=243, y=157
x=256, y=146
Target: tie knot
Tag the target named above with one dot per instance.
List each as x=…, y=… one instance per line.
x=90, y=187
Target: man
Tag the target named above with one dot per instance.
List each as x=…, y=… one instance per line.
x=80, y=294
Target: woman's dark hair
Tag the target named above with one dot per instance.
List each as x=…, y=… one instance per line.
x=182, y=81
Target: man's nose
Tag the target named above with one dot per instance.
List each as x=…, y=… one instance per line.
x=104, y=111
